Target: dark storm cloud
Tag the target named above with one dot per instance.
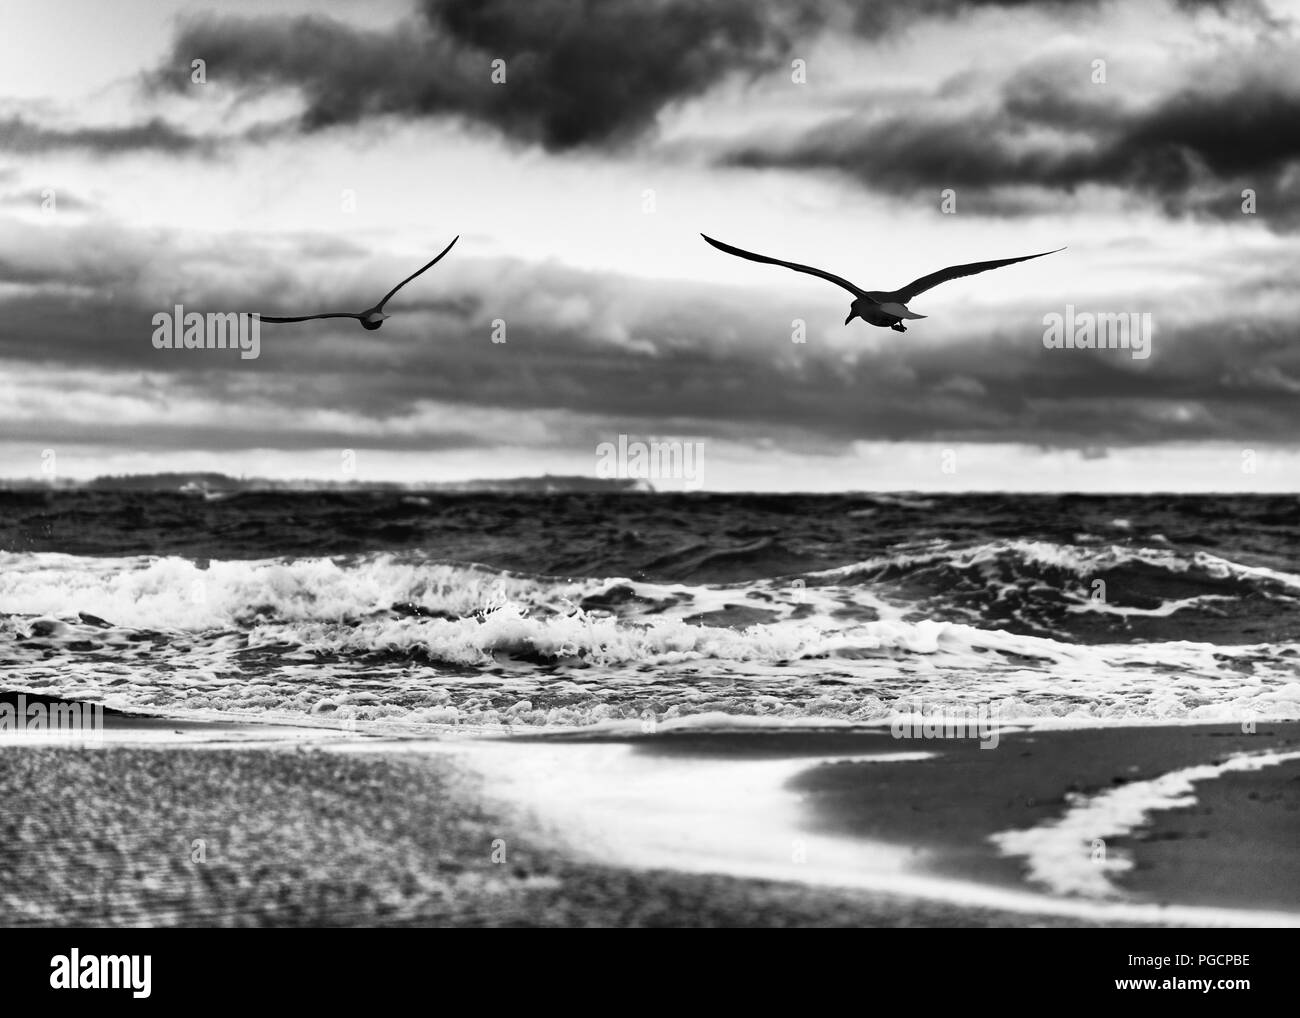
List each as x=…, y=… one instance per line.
x=1195, y=149
x=873, y=17
x=578, y=72
x=22, y=136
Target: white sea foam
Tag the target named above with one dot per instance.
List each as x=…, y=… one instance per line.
x=614, y=805
x=1062, y=854
x=475, y=646
x=1078, y=559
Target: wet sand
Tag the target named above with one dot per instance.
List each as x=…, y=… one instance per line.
x=221, y=823
x=1234, y=848
x=306, y=837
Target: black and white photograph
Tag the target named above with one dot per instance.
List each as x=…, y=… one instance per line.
x=650, y=463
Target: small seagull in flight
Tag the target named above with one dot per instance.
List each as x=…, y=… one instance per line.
x=881, y=307
x=371, y=318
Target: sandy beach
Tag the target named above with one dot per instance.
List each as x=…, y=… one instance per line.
x=196, y=823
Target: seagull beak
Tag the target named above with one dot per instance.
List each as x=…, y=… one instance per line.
x=849, y=319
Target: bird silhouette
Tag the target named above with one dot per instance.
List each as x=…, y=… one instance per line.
x=885, y=308
x=371, y=318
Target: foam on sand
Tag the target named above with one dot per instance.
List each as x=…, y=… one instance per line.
x=1060, y=854
x=614, y=805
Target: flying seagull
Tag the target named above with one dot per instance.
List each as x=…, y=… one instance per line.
x=881, y=307
x=372, y=318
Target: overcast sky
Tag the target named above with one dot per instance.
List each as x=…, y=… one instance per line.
x=579, y=188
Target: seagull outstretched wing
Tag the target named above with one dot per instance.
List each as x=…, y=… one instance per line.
x=905, y=293
x=367, y=318
x=828, y=276
x=424, y=267
x=307, y=318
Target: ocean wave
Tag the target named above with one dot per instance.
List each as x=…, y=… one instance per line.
x=1039, y=558
x=198, y=593
x=185, y=594
x=399, y=637
x=1084, y=593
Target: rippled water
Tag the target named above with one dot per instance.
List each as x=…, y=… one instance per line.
x=572, y=609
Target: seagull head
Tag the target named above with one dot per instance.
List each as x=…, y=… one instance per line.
x=857, y=308
x=374, y=319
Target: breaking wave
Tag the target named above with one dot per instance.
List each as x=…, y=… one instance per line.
x=407, y=638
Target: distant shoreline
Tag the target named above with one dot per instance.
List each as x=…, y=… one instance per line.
x=204, y=483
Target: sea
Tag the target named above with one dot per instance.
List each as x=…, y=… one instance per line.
x=522, y=612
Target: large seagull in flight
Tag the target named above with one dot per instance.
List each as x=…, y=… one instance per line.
x=881, y=307
x=371, y=318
